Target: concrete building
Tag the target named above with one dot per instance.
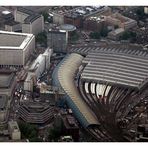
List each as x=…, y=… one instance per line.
x=14, y=130
x=121, y=21
x=7, y=83
x=39, y=65
x=15, y=48
x=33, y=24
x=58, y=18
x=115, y=34
x=57, y=39
x=70, y=29
x=94, y=23
x=36, y=112
x=70, y=127
x=146, y=10
x=31, y=21
x=29, y=82
x=5, y=17
x=3, y=107
x=13, y=26
x=58, y=14
x=76, y=15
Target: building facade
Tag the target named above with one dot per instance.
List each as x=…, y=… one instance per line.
x=15, y=48
x=121, y=21
x=57, y=40
x=31, y=21
x=14, y=130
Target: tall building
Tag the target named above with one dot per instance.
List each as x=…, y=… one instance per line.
x=31, y=21
x=57, y=40
x=15, y=48
x=38, y=66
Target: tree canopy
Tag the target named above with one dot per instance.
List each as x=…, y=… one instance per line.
x=29, y=131
x=41, y=38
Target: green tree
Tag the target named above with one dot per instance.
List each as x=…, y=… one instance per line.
x=74, y=36
x=45, y=15
x=128, y=35
x=54, y=134
x=104, y=32
x=29, y=131
x=94, y=35
x=41, y=38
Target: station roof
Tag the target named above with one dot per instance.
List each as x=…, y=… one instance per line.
x=66, y=74
x=117, y=67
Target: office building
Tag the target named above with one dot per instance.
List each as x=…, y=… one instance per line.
x=31, y=21
x=7, y=83
x=14, y=130
x=15, y=48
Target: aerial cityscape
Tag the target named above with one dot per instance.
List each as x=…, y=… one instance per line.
x=73, y=74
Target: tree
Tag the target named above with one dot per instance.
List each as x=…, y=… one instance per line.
x=29, y=131
x=41, y=38
x=94, y=35
x=104, y=32
x=128, y=35
x=116, y=26
x=45, y=15
x=74, y=36
x=140, y=12
x=54, y=134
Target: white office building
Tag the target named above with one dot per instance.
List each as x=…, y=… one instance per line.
x=15, y=48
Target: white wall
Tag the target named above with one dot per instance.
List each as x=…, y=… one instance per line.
x=20, y=17
x=26, y=28
x=58, y=19
x=28, y=50
x=11, y=57
x=35, y=27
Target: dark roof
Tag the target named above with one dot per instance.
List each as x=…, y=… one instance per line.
x=32, y=15
x=24, y=10
x=11, y=23
x=31, y=18
x=3, y=101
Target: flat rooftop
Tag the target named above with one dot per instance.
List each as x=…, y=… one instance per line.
x=6, y=79
x=116, y=67
x=14, y=40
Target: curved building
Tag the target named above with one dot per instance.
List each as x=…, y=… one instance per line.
x=64, y=76
x=105, y=88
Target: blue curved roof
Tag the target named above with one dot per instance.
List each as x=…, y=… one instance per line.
x=63, y=76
